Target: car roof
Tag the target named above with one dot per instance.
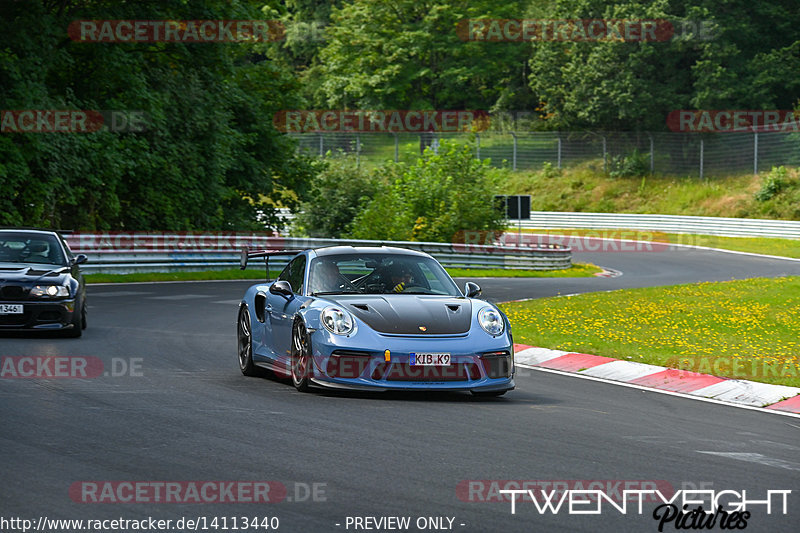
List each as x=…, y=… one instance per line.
x=388, y=250
x=29, y=230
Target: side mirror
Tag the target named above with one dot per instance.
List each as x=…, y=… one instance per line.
x=283, y=288
x=472, y=290
x=80, y=259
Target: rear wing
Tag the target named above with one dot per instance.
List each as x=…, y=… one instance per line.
x=248, y=254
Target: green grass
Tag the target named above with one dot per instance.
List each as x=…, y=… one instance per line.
x=757, y=245
x=179, y=276
x=577, y=271
x=739, y=329
x=586, y=188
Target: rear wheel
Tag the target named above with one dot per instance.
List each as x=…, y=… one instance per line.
x=301, y=357
x=245, y=343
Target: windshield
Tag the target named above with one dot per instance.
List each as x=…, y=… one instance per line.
x=379, y=274
x=20, y=247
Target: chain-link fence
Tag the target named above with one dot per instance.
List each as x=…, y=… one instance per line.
x=686, y=154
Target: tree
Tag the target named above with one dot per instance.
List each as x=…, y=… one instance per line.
x=209, y=157
x=337, y=194
x=407, y=54
x=736, y=54
x=441, y=195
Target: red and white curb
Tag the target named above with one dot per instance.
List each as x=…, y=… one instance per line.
x=735, y=391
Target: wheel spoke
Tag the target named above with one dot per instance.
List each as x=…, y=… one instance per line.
x=244, y=340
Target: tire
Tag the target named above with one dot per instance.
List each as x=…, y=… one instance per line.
x=244, y=338
x=301, y=357
x=489, y=394
x=78, y=322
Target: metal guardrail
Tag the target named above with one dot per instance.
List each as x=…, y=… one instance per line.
x=728, y=227
x=120, y=253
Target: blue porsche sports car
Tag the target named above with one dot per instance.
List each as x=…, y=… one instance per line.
x=373, y=318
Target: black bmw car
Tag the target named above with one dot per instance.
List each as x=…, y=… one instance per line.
x=41, y=286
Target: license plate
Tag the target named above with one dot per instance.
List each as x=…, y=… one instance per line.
x=430, y=359
x=10, y=309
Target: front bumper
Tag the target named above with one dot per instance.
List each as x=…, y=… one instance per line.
x=45, y=315
x=478, y=362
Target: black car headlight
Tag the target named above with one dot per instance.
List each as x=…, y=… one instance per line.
x=491, y=321
x=50, y=291
x=337, y=320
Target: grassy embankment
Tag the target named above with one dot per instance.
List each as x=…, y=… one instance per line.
x=739, y=329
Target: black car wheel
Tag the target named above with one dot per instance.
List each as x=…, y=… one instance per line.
x=301, y=357
x=245, y=343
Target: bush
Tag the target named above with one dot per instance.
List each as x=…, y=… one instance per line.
x=337, y=194
x=439, y=196
x=549, y=171
x=777, y=180
x=635, y=165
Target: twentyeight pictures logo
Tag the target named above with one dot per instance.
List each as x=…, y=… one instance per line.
x=373, y=121
x=175, y=31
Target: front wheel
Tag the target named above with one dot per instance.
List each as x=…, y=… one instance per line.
x=245, y=343
x=301, y=357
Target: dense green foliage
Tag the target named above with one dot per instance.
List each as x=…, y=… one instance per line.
x=211, y=159
x=441, y=195
x=733, y=54
x=338, y=192
x=209, y=156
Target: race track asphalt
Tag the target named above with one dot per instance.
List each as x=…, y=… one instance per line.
x=185, y=413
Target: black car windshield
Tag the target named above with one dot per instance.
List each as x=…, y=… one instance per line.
x=379, y=274
x=23, y=247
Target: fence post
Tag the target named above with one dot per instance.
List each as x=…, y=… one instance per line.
x=321, y=152
x=701, y=158
x=605, y=156
x=396, y=147
x=358, y=150
x=559, y=151
x=652, y=155
x=514, y=153
x=755, y=154
x=478, y=145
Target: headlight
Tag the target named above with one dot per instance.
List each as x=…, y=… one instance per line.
x=491, y=321
x=50, y=291
x=337, y=321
